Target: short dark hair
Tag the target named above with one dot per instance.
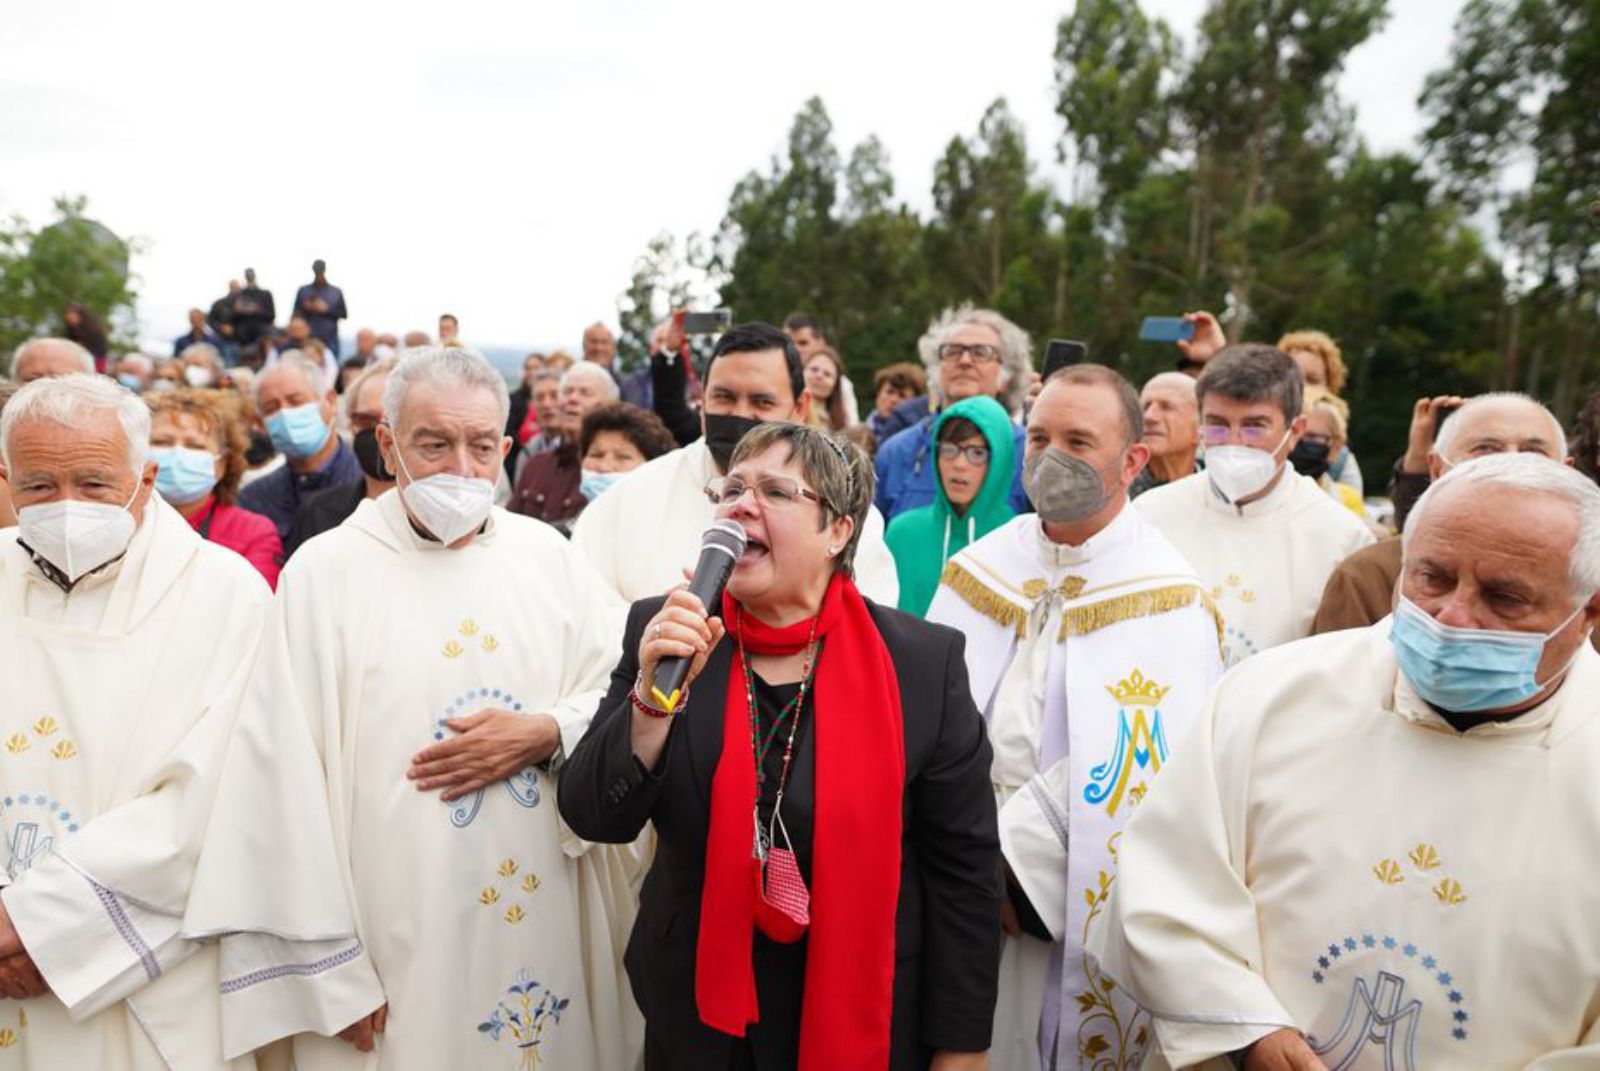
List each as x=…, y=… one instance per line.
x=957, y=428
x=757, y=337
x=1098, y=375
x=319, y=266
x=902, y=375
x=1253, y=372
x=449, y=316
x=640, y=427
x=804, y=321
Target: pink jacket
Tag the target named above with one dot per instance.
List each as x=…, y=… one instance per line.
x=248, y=534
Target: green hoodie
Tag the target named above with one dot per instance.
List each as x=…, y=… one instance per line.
x=922, y=540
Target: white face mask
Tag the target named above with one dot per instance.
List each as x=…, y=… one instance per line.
x=77, y=537
x=1241, y=471
x=447, y=505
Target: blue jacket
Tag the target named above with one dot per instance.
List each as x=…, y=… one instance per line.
x=908, y=472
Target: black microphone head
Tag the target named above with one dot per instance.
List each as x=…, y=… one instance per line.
x=726, y=536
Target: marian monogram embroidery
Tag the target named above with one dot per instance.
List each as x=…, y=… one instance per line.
x=1141, y=745
x=523, y=786
x=1379, y=1012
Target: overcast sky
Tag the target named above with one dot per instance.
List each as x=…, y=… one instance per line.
x=509, y=161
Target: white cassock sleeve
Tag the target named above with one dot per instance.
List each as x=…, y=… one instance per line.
x=1033, y=839
x=102, y=918
x=1182, y=936
x=594, y=536
x=273, y=880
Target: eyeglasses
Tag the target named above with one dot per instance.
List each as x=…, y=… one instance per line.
x=982, y=353
x=975, y=455
x=780, y=492
x=1249, y=435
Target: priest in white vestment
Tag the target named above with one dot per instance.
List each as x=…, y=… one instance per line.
x=1091, y=648
x=644, y=532
x=124, y=642
x=1378, y=850
x=431, y=641
x=1263, y=538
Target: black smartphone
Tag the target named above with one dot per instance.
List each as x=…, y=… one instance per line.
x=1062, y=352
x=1441, y=415
x=707, y=323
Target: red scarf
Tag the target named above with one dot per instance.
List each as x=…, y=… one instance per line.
x=855, y=850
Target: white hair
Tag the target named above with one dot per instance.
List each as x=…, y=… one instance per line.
x=315, y=376
x=1016, y=351
x=589, y=369
x=442, y=366
x=68, y=400
x=380, y=367
x=204, y=350
x=1448, y=434
x=33, y=343
x=1530, y=474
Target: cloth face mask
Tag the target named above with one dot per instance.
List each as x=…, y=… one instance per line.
x=1310, y=459
x=1063, y=488
x=77, y=537
x=184, y=475
x=299, y=432
x=1240, y=471
x=723, y=432
x=1466, y=670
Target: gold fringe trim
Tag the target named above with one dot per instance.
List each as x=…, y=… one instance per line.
x=982, y=598
x=1082, y=620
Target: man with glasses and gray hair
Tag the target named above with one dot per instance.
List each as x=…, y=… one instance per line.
x=967, y=351
x=1263, y=538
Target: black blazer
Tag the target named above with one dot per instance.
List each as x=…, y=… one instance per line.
x=947, y=926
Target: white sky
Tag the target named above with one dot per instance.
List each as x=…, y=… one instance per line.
x=509, y=161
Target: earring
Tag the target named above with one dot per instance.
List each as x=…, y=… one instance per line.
x=833, y=551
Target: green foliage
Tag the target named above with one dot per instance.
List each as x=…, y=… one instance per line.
x=73, y=260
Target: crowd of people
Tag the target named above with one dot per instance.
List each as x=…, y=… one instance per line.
x=342, y=726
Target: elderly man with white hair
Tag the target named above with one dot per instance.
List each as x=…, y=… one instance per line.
x=967, y=352
x=385, y=862
x=547, y=483
x=1376, y=850
x=1171, y=431
x=41, y=357
x=124, y=641
x=296, y=408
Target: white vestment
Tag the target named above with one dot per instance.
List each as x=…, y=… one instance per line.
x=1326, y=853
x=489, y=929
x=115, y=704
x=1089, y=664
x=1265, y=563
x=646, y=530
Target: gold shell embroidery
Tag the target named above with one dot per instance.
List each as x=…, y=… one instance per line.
x=7, y=1038
x=1449, y=892
x=508, y=868
x=468, y=627
x=489, y=897
x=65, y=750
x=1424, y=857
x=16, y=743
x=530, y=883
x=453, y=649
x=515, y=914
x=490, y=645
x=45, y=726
x=1388, y=872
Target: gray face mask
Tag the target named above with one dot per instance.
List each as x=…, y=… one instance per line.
x=1063, y=488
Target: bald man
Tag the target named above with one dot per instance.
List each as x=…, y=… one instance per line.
x=1360, y=590
x=41, y=357
x=1171, y=430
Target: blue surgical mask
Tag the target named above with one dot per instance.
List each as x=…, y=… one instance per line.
x=594, y=483
x=299, y=432
x=1336, y=470
x=184, y=475
x=1466, y=670
x=131, y=381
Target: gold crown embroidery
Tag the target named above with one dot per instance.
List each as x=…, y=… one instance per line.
x=1137, y=690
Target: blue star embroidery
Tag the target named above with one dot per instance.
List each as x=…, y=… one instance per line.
x=1333, y=950
x=1368, y=941
x=1410, y=950
x=1350, y=944
x=1459, y=1034
x=1429, y=962
x=1444, y=977
x=1316, y=976
x=1389, y=943
x=1460, y=1016
x=1455, y=996
x=1323, y=962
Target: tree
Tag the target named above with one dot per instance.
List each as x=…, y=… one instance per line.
x=73, y=260
x=658, y=286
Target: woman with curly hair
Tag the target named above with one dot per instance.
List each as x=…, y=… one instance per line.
x=198, y=441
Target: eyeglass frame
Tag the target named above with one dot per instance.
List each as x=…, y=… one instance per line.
x=958, y=450
x=800, y=490
x=964, y=349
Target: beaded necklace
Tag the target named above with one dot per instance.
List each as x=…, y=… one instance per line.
x=790, y=713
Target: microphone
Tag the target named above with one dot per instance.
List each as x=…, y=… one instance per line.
x=720, y=549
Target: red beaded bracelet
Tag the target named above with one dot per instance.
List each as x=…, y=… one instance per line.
x=654, y=712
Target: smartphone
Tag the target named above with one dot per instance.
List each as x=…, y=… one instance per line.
x=1062, y=352
x=707, y=323
x=1165, y=329
x=1440, y=416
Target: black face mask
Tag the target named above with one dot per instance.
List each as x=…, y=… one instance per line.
x=1310, y=459
x=365, y=445
x=723, y=433
x=260, y=450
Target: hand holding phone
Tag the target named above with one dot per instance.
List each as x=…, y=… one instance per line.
x=1166, y=329
x=707, y=323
